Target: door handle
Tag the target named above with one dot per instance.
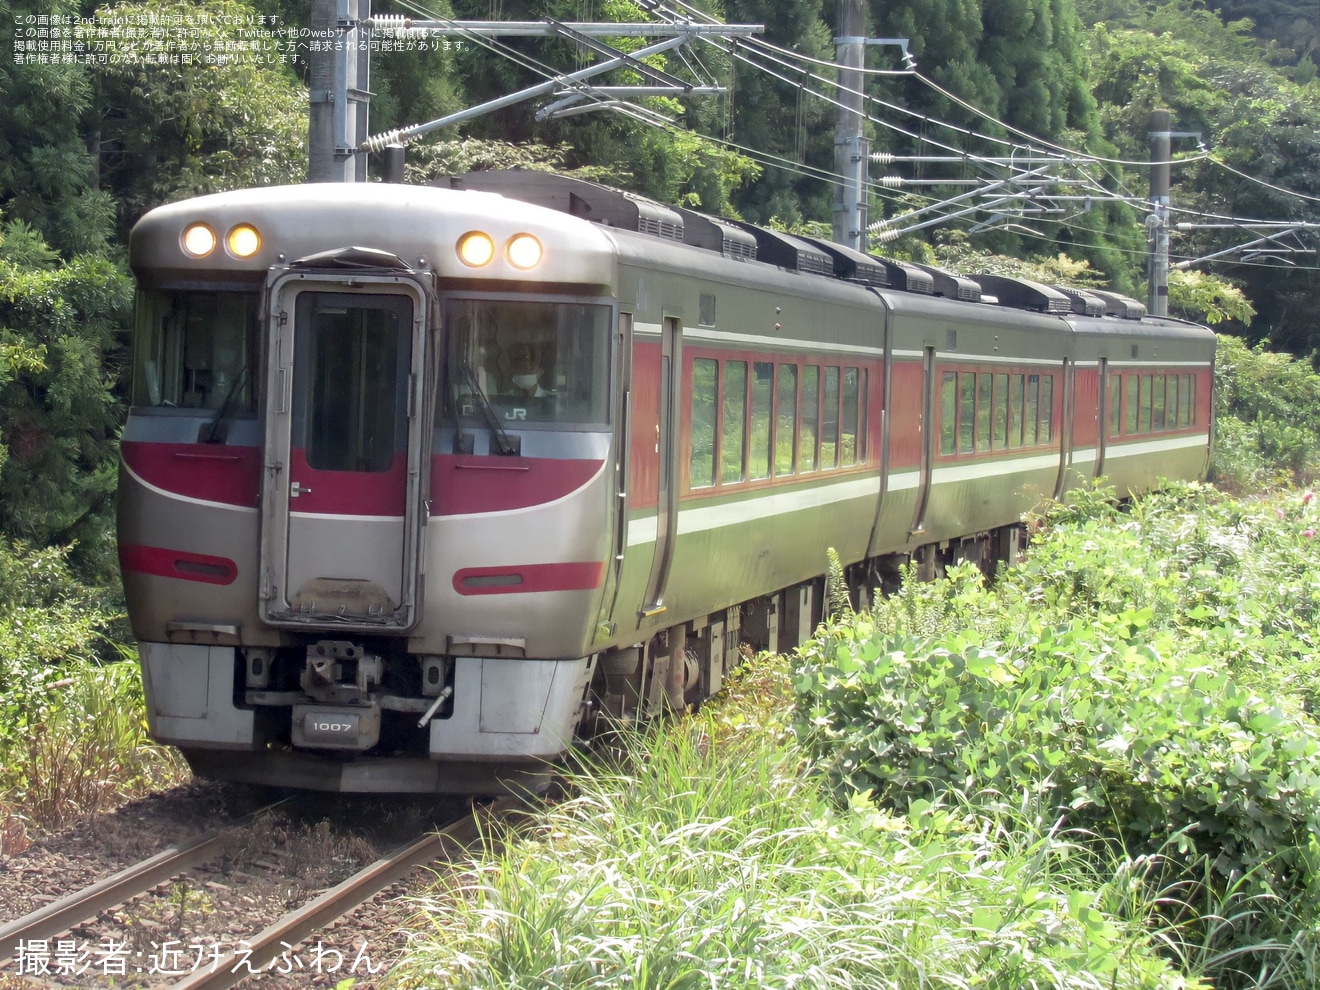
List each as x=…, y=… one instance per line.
x=297, y=489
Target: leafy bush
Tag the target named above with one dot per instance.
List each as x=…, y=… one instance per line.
x=1149, y=674
x=72, y=722
x=1268, y=417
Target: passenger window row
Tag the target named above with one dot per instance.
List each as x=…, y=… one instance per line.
x=1150, y=403
x=982, y=411
x=752, y=421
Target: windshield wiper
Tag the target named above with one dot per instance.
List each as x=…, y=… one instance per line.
x=215, y=431
x=504, y=446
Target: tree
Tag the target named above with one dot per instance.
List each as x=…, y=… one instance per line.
x=59, y=417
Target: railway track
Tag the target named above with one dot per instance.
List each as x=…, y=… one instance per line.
x=262, y=951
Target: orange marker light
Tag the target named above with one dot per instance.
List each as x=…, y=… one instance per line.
x=475, y=249
x=523, y=251
x=198, y=240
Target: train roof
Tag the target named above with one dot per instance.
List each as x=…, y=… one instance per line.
x=812, y=256
x=417, y=225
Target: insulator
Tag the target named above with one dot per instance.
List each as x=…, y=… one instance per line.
x=882, y=157
x=885, y=236
x=379, y=142
x=892, y=181
x=394, y=26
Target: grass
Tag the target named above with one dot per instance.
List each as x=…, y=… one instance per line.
x=714, y=858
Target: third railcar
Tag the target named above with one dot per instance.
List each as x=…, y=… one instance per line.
x=418, y=483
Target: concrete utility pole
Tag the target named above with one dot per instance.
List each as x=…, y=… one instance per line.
x=1157, y=294
x=338, y=70
x=850, y=146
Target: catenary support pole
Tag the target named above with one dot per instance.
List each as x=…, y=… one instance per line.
x=1157, y=295
x=850, y=151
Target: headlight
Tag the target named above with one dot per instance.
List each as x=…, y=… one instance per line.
x=523, y=251
x=198, y=240
x=243, y=241
x=475, y=249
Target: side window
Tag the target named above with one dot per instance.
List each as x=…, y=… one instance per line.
x=786, y=421
x=1157, y=403
x=1115, y=403
x=733, y=466
x=1046, y=431
x=763, y=383
x=949, y=413
x=850, y=436
x=1143, y=414
x=999, y=440
x=829, y=420
x=1016, y=406
x=1187, y=400
x=701, y=463
x=982, y=412
x=1133, y=396
x=810, y=418
x=1031, y=411
x=966, y=410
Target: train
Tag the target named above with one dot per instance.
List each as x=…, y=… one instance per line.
x=421, y=484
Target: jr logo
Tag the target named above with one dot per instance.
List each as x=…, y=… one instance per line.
x=516, y=413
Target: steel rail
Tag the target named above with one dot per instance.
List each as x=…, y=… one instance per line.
x=61, y=915
x=338, y=901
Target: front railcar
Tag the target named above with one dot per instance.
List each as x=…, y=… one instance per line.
x=367, y=483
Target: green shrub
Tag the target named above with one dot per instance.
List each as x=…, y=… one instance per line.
x=1267, y=417
x=72, y=720
x=1149, y=673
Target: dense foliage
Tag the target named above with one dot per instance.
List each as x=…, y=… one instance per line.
x=1147, y=676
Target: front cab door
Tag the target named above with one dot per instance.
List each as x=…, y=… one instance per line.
x=347, y=440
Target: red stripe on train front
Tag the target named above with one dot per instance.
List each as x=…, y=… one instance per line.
x=462, y=486
x=525, y=579
x=181, y=564
x=210, y=472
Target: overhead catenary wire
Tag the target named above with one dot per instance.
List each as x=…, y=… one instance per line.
x=744, y=51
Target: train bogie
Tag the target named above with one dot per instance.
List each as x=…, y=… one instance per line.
x=419, y=484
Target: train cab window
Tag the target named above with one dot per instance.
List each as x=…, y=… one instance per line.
x=807, y=447
x=763, y=382
x=733, y=464
x=527, y=363
x=196, y=350
x=851, y=439
x=786, y=421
